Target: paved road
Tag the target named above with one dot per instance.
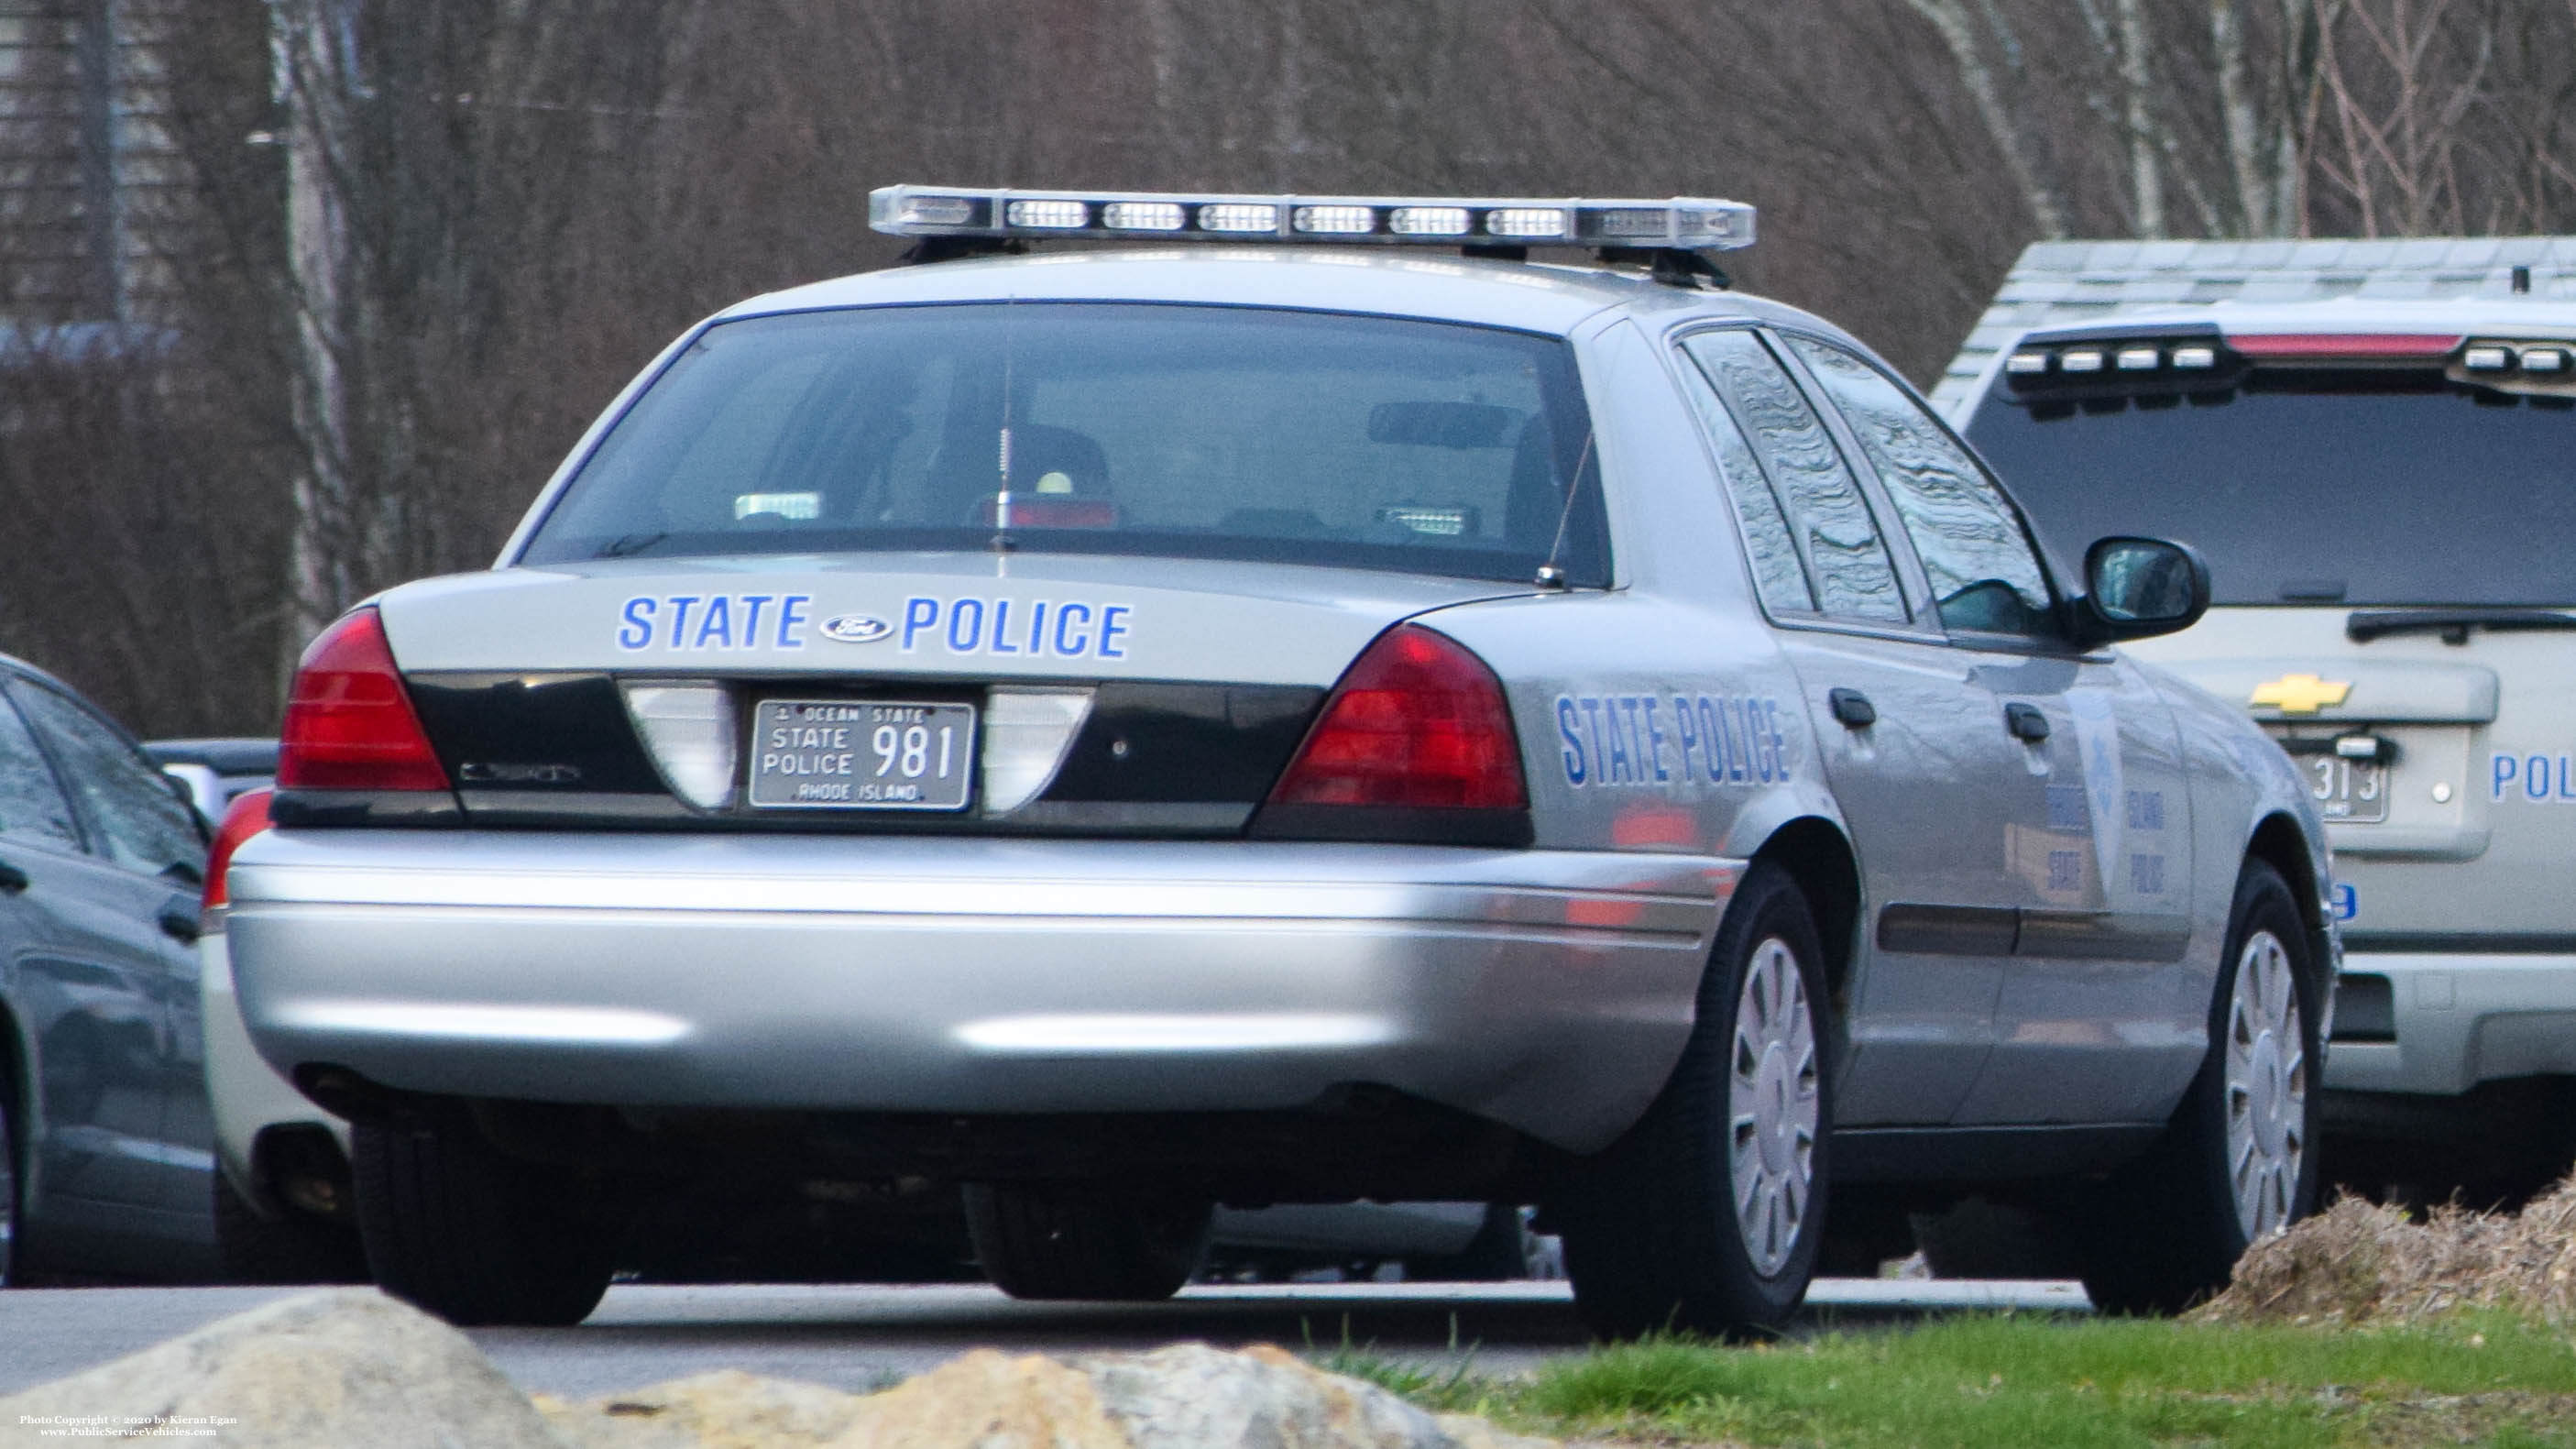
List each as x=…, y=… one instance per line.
x=862, y=1337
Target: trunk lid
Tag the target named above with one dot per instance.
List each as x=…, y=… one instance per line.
x=1055, y=694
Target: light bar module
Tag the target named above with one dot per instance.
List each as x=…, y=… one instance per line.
x=1680, y=223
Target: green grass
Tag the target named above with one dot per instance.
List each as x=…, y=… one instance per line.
x=2039, y=1380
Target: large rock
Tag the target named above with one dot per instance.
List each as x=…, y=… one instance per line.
x=353, y=1368
x=321, y=1371
x=1189, y=1396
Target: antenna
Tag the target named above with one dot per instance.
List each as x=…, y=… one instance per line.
x=1551, y=575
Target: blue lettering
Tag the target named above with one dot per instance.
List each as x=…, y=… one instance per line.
x=963, y=637
x=918, y=614
x=752, y=604
x=716, y=629
x=1111, y=627
x=1622, y=767
x=1592, y=714
x=1001, y=626
x=1718, y=742
x=680, y=606
x=791, y=620
x=1685, y=731
x=1654, y=738
x=638, y=632
x=1567, y=722
x=2535, y=777
x=2501, y=769
x=1067, y=643
x=1037, y=628
x=2565, y=780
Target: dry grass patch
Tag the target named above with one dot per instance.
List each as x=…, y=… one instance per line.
x=2358, y=1262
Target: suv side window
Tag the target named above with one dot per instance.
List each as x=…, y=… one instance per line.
x=140, y=824
x=1854, y=578
x=1779, y=578
x=32, y=806
x=1986, y=577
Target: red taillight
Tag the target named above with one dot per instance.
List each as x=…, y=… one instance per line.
x=349, y=721
x=1417, y=722
x=247, y=816
x=2339, y=346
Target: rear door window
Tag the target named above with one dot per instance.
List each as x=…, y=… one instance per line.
x=1820, y=499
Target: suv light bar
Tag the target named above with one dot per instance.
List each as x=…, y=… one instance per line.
x=1680, y=223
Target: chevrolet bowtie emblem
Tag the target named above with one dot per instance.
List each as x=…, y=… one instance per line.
x=2300, y=693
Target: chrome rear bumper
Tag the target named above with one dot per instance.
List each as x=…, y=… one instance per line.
x=1548, y=990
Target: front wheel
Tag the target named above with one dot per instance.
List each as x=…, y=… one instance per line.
x=1707, y=1216
x=2239, y=1162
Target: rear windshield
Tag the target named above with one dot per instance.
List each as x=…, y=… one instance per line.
x=2312, y=485
x=1173, y=431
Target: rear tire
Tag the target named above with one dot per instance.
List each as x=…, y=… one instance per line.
x=1058, y=1241
x=294, y=1248
x=1708, y=1215
x=2239, y=1162
x=477, y=1238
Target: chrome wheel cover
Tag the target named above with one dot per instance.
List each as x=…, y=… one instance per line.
x=2266, y=1087
x=1773, y=1106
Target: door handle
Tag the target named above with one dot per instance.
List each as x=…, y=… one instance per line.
x=2026, y=722
x=12, y=879
x=1852, y=707
x=181, y=926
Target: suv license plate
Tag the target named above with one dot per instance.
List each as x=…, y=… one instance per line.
x=2352, y=791
x=861, y=754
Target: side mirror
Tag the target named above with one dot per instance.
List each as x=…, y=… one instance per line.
x=2136, y=588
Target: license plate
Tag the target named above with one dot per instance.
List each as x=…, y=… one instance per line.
x=2353, y=791
x=861, y=754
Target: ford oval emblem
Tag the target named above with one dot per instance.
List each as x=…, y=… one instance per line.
x=856, y=628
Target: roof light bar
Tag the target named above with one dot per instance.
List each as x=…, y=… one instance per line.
x=2488, y=359
x=2140, y=359
x=1682, y=223
x=2544, y=359
x=1143, y=216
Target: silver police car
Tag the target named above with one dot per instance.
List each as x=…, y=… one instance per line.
x=1129, y=730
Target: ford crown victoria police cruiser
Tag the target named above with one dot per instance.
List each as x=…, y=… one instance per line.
x=1127, y=731
x=2384, y=486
